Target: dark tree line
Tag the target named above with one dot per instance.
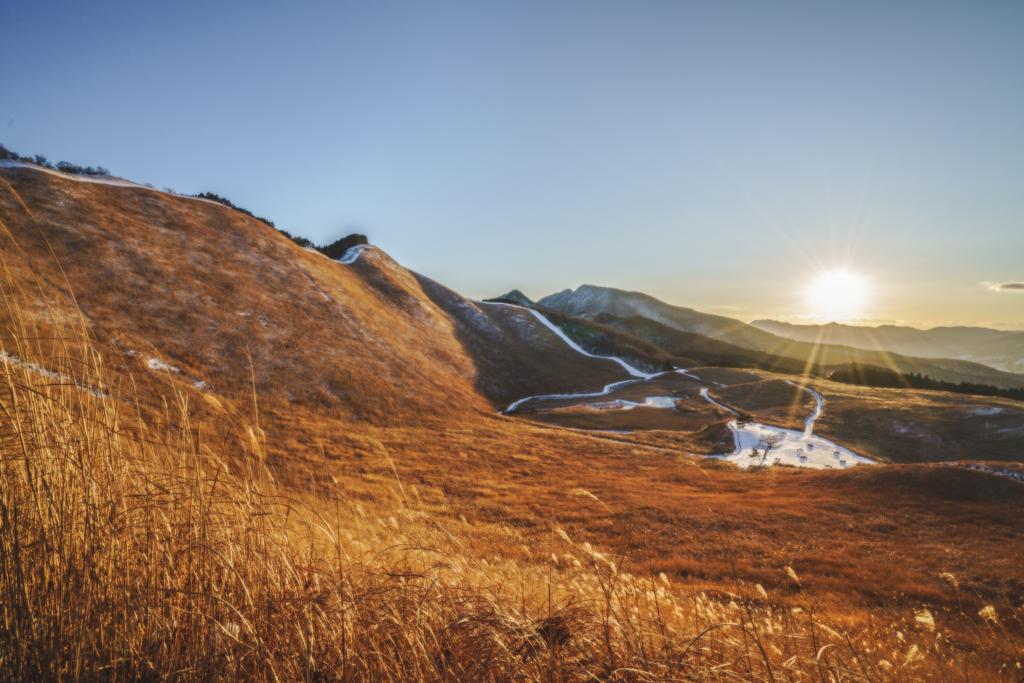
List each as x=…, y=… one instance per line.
x=227, y=202
x=874, y=376
x=334, y=250
x=62, y=166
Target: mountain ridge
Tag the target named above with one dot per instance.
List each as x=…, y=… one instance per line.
x=999, y=349
x=624, y=304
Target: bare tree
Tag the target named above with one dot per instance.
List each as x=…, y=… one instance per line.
x=767, y=443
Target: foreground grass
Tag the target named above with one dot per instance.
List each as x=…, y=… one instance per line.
x=132, y=549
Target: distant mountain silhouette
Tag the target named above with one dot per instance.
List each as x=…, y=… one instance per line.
x=513, y=297
x=995, y=348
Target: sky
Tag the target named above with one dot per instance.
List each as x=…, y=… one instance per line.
x=722, y=156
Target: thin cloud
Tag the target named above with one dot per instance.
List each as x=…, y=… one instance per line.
x=1005, y=286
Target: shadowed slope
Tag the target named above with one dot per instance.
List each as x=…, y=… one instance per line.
x=518, y=356
x=204, y=289
x=705, y=349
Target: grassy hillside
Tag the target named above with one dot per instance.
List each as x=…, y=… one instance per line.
x=388, y=567
x=704, y=349
x=339, y=500
x=175, y=282
x=916, y=425
x=229, y=302
x=604, y=340
x=774, y=402
x=889, y=425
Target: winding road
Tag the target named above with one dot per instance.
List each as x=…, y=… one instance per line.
x=802, y=449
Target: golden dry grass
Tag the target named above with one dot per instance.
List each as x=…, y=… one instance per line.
x=915, y=425
x=156, y=532
x=133, y=552
x=772, y=401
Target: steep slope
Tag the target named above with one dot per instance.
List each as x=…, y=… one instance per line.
x=606, y=340
x=704, y=349
x=518, y=355
x=623, y=304
x=995, y=348
x=187, y=286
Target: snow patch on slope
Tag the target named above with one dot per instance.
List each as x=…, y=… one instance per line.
x=795, y=448
x=161, y=366
x=604, y=392
x=353, y=253
x=576, y=347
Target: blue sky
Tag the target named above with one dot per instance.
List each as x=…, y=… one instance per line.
x=716, y=155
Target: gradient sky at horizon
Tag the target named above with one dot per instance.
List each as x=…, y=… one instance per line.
x=715, y=155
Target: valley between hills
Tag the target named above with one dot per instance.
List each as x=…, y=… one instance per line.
x=213, y=431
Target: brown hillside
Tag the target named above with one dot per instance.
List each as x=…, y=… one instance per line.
x=773, y=401
x=916, y=425
x=376, y=392
x=231, y=303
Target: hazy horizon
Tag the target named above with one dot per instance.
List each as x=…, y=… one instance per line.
x=797, y=319
x=722, y=158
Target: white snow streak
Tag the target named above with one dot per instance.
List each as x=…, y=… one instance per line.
x=604, y=392
x=576, y=347
x=683, y=372
x=40, y=370
x=352, y=254
x=704, y=393
x=159, y=365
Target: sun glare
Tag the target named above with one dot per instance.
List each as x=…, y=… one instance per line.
x=838, y=295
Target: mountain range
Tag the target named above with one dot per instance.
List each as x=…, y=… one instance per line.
x=996, y=348
x=616, y=304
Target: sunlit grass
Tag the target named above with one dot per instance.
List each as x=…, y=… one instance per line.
x=150, y=532
x=137, y=551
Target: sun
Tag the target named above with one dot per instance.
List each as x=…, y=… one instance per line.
x=838, y=295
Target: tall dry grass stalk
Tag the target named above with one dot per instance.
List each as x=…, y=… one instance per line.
x=131, y=550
